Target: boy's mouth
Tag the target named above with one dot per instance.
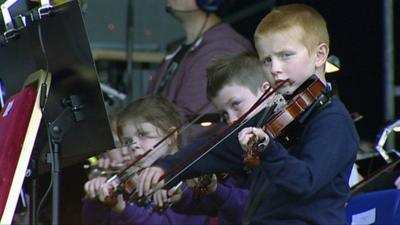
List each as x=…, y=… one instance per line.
x=280, y=83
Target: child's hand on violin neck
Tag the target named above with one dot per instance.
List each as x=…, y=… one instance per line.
x=250, y=136
x=98, y=188
x=165, y=198
x=149, y=180
x=93, y=186
x=204, y=185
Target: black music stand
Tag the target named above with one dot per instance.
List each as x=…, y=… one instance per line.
x=74, y=113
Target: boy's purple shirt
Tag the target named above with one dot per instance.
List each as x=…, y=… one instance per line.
x=226, y=203
x=94, y=212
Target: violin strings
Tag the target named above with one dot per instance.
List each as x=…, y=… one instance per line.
x=226, y=133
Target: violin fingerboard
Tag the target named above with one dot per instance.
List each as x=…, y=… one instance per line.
x=279, y=101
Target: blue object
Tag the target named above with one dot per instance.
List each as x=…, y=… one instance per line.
x=2, y=94
x=378, y=208
x=209, y=5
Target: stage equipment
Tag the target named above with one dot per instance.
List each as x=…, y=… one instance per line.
x=379, y=207
x=10, y=31
x=381, y=176
x=75, y=118
x=113, y=93
x=19, y=125
x=395, y=126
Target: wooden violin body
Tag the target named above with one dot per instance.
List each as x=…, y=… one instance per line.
x=279, y=121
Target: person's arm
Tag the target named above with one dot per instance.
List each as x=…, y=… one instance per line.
x=95, y=212
x=224, y=157
x=227, y=201
x=231, y=202
x=397, y=182
x=188, y=205
x=134, y=214
x=327, y=147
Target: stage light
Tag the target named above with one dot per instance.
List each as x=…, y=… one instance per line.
x=396, y=129
x=206, y=124
x=332, y=64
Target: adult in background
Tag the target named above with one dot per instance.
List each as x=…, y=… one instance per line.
x=181, y=78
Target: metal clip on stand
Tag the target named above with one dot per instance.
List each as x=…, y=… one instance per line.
x=72, y=113
x=382, y=140
x=10, y=31
x=13, y=24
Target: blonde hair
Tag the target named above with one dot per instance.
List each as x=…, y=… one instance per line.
x=153, y=109
x=312, y=25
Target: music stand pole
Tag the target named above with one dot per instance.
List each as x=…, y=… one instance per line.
x=129, y=76
x=56, y=143
x=73, y=112
x=56, y=138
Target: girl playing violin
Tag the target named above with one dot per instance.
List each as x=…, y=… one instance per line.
x=141, y=125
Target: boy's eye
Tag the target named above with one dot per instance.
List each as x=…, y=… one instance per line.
x=235, y=105
x=147, y=134
x=286, y=55
x=127, y=141
x=267, y=60
x=224, y=116
x=141, y=134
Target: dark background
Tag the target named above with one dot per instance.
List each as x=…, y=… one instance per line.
x=356, y=34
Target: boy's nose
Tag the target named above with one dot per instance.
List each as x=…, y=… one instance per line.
x=231, y=118
x=136, y=149
x=124, y=151
x=138, y=152
x=276, y=68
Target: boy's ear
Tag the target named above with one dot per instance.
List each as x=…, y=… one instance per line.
x=174, y=138
x=265, y=86
x=321, y=54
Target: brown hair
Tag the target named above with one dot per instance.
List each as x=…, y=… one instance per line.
x=153, y=109
x=237, y=68
x=312, y=25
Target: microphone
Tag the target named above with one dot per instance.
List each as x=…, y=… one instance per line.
x=171, y=10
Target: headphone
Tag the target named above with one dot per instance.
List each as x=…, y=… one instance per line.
x=209, y=6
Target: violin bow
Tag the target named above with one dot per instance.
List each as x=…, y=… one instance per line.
x=178, y=129
x=178, y=169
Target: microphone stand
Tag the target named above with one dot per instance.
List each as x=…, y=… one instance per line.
x=129, y=49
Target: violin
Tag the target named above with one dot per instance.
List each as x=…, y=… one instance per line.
x=124, y=178
x=196, y=155
x=174, y=190
x=278, y=122
x=201, y=186
x=126, y=183
x=96, y=171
